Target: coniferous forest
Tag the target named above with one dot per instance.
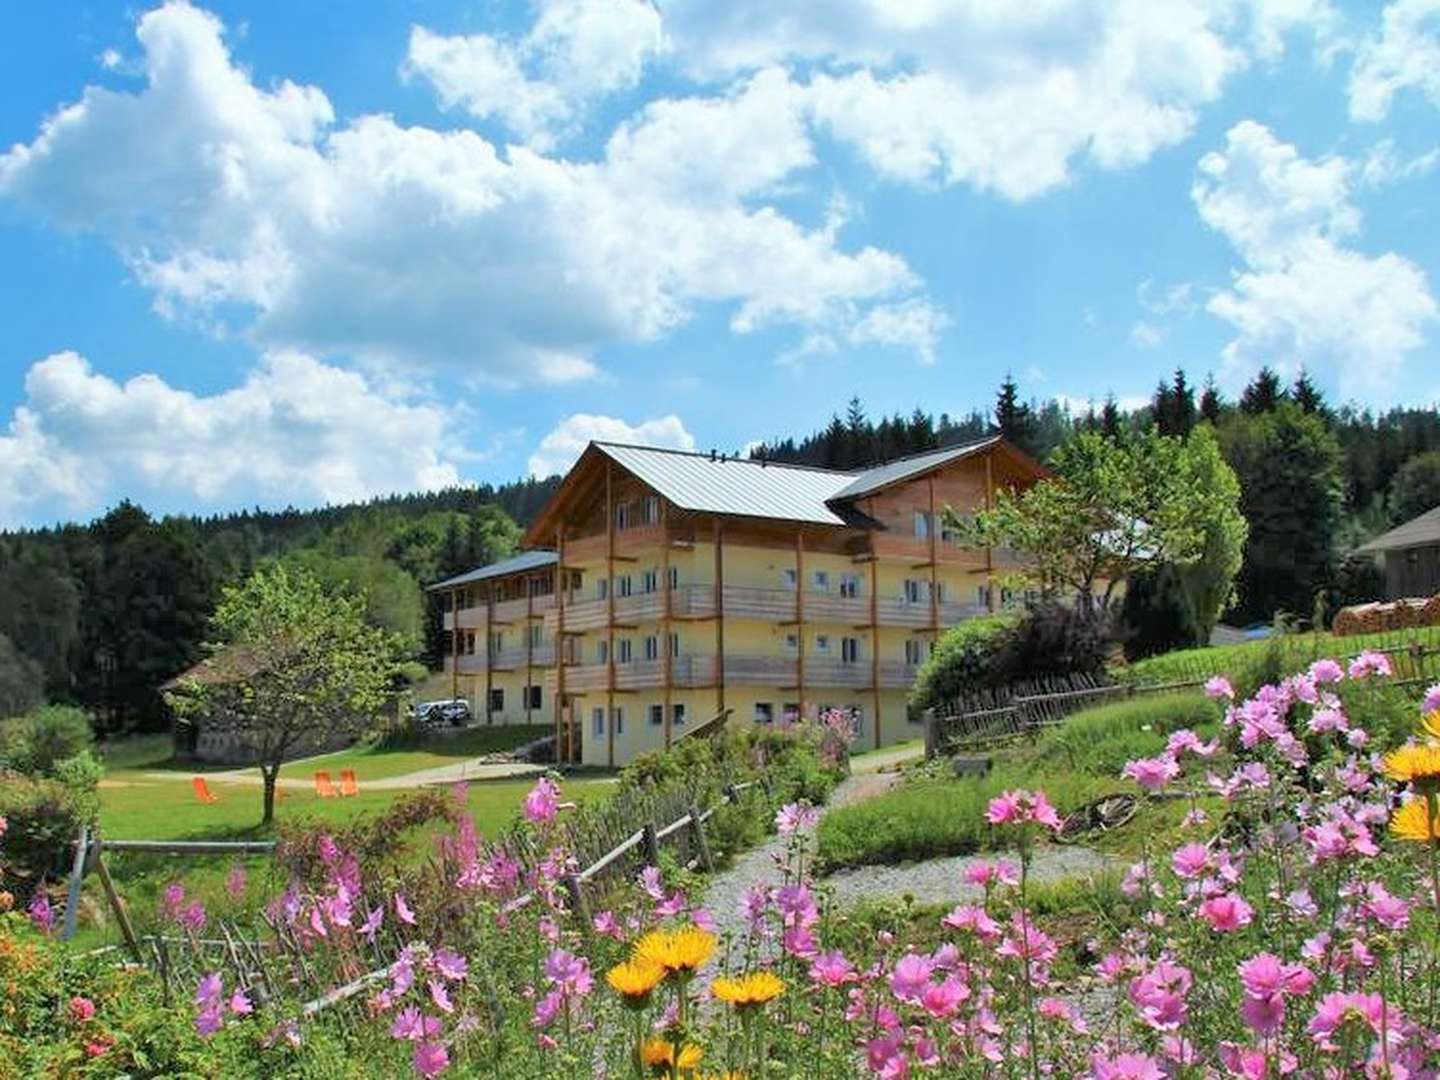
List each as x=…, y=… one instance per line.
x=102, y=614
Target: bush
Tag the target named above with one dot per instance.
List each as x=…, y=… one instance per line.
x=1052, y=640
x=37, y=743
x=962, y=661
x=44, y=817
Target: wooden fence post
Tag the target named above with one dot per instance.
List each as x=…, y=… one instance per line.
x=77, y=875
x=576, y=888
x=932, y=741
x=121, y=914
x=652, y=844
x=697, y=822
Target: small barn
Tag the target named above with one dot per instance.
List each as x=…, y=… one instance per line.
x=1412, y=556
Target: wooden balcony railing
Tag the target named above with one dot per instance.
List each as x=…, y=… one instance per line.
x=694, y=671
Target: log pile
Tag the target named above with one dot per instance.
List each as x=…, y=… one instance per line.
x=1380, y=617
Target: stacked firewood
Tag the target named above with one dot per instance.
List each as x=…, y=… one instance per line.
x=1395, y=615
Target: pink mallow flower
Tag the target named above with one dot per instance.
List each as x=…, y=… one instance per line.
x=1227, y=912
x=1432, y=703
x=1152, y=773
x=1369, y=663
x=543, y=801
x=1126, y=1067
x=81, y=1009
x=796, y=817
x=911, y=976
x=1218, y=687
x=1326, y=671
x=1355, y=1011
x=430, y=1059
x=1017, y=807
x=1191, y=860
x=832, y=969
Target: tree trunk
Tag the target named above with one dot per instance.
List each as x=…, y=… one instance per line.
x=269, y=773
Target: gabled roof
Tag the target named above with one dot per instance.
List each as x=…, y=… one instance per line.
x=1417, y=532
x=516, y=564
x=734, y=485
x=902, y=469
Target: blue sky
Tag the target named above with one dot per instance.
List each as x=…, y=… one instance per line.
x=276, y=253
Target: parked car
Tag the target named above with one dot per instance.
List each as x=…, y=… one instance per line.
x=454, y=711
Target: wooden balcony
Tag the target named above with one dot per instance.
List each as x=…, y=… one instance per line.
x=541, y=656
x=506, y=611
x=628, y=542
x=697, y=672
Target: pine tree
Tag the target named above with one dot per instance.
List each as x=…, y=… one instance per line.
x=1110, y=418
x=1210, y=403
x=1013, y=416
x=1307, y=395
x=1263, y=393
x=1182, y=405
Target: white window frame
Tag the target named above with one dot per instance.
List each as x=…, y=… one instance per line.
x=652, y=647
x=650, y=581
x=677, y=714
x=602, y=651
x=674, y=577
x=820, y=581
x=623, y=651
x=850, y=586
x=622, y=515
x=602, y=588
x=849, y=650
x=597, y=721
x=790, y=577
x=913, y=591
x=764, y=712
x=922, y=525
x=822, y=643
x=623, y=585
x=657, y=715
x=617, y=717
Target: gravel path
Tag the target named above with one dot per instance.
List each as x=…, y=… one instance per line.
x=934, y=881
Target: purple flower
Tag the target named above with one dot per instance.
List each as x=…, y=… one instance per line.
x=1152, y=773
x=240, y=1003
x=543, y=801
x=172, y=899
x=430, y=1058
x=568, y=972
x=911, y=976
x=408, y=1024
x=1432, y=700
x=210, y=989
x=547, y=1008
x=1219, y=687
x=209, y=1020
x=441, y=996
x=451, y=965
x=193, y=917
x=651, y=882
x=372, y=922
x=796, y=817
x=1369, y=663
x=235, y=882
x=42, y=915
x=402, y=910
x=1326, y=671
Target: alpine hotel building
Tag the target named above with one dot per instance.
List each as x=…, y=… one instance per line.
x=661, y=587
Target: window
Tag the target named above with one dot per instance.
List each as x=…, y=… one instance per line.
x=652, y=509
x=940, y=591
x=496, y=643
x=922, y=525
x=849, y=650
x=677, y=713
x=822, y=643
x=622, y=585
x=982, y=595
x=597, y=722
x=533, y=697
x=657, y=715
x=652, y=648
x=915, y=652
x=764, y=712
x=470, y=644
x=602, y=652
x=497, y=699
x=850, y=586
x=536, y=633
x=790, y=576
x=618, y=719
x=792, y=643
x=674, y=644
x=674, y=577
x=650, y=581
x=821, y=579
x=622, y=651
x=790, y=712
x=912, y=591
x=622, y=516
x=602, y=588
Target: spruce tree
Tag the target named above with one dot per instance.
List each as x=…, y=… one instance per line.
x=1263, y=393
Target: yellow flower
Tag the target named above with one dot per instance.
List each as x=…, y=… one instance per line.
x=1417, y=764
x=748, y=991
x=659, y=1055
x=683, y=950
x=634, y=980
x=1412, y=822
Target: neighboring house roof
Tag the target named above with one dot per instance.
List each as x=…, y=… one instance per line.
x=229, y=664
x=882, y=476
x=1417, y=532
x=734, y=485
x=516, y=564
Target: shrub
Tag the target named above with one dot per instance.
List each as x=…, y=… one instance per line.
x=37, y=742
x=962, y=660
x=1050, y=640
x=44, y=817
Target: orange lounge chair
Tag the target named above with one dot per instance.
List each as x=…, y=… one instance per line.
x=348, y=784
x=323, y=787
x=202, y=790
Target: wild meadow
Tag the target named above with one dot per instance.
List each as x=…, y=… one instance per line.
x=1291, y=930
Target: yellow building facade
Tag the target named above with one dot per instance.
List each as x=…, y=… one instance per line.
x=663, y=587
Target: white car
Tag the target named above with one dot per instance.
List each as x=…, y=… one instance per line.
x=455, y=711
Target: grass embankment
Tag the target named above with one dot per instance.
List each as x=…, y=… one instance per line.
x=1284, y=653
x=936, y=814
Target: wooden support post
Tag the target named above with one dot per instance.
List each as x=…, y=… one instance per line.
x=489, y=643
x=77, y=876
x=127, y=929
x=800, y=618
x=702, y=845
x=934, y=563
x=875, y=639
x=609, y=617
x=455, y=644
x=576, y=888
x=562, y=580
x=652, y=844
x=719, y=616
x=529, y=644
x=666, y=611
x=989, y=549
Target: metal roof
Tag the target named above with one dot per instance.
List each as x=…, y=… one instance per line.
x=734, y=485
x=516, y=564
x=883, y=476
x=1417, y=532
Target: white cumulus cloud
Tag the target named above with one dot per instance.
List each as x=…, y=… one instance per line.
x=295, y=430
x=257, y=210
x=1404, y=55
x=559, y=449
x=1305, y=298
